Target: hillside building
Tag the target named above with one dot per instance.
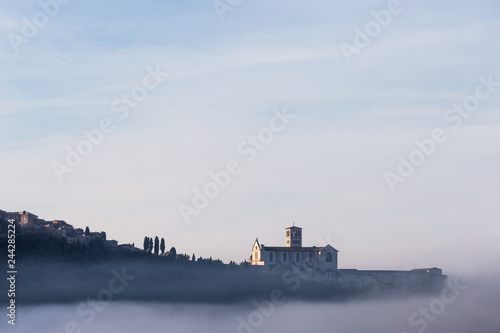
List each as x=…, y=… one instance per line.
x=315, y=258
x=321, y=263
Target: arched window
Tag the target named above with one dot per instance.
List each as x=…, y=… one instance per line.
x=284, y=256
x=271, y=256
x=297, y=257
x=310, y=256
x=329, y=257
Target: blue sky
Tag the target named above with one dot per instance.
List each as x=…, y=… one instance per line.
x=325, y=171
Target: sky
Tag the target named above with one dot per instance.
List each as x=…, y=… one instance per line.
x=315, y=106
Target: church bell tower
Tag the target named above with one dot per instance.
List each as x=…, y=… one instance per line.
x=293, y=236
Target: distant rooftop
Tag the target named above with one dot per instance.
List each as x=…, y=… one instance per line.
x=293, y=249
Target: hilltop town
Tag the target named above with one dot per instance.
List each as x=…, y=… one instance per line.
x=59, y=240
x=316, y=263
x=57, y=251
x=31, y=223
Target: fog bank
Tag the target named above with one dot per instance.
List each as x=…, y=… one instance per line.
x=470, y=305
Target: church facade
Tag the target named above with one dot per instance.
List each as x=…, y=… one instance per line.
x=321, y=259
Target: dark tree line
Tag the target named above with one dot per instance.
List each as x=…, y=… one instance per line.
x=37, y=244
x=156, y=246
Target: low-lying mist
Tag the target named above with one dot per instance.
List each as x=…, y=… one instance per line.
x=465, y=305
x=44, y=282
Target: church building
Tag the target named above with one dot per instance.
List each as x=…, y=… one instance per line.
x=322, y=259
x=320, y=263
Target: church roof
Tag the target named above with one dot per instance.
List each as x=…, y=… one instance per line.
x=293, y=227
x=294, y=249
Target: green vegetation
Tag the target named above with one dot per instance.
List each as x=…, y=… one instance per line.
x=35, y=245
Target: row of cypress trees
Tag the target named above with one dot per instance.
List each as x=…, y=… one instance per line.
x=155, y=246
